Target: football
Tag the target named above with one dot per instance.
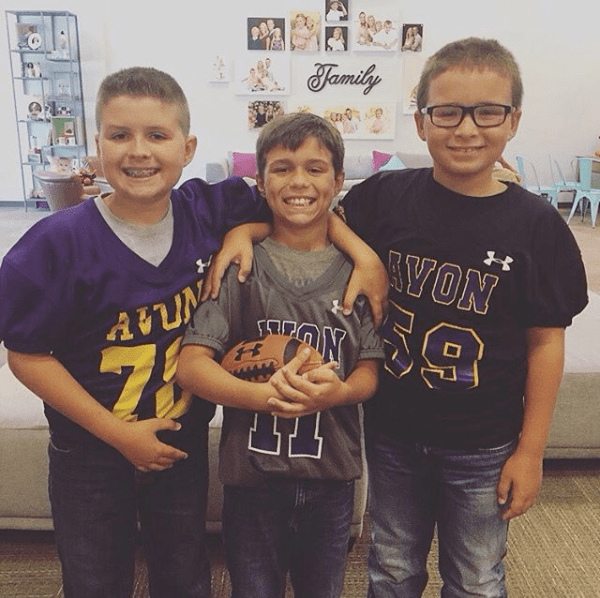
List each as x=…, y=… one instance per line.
x=258, y=359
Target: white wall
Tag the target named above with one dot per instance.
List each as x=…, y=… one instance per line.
x=557, y=47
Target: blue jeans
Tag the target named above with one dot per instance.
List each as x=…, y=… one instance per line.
x=300, y=526
x=411, y=489
x=97, y=499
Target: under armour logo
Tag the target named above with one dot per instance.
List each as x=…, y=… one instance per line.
x=492, y=259
x=336, y=306
x=201, y=265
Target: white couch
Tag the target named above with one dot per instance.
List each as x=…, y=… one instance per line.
x=357, y=166
x=24, y=500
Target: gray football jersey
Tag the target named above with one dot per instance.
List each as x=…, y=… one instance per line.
x=325, y=445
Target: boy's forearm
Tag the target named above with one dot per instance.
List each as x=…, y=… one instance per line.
x=346, y=240
x=363, y=380
x=48, y=379
x=200, y=374
x=544, y=372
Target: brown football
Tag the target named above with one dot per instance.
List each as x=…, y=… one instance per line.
x=258, y=359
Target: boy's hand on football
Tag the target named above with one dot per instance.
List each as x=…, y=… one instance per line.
x=140, y=445
x=304, y=394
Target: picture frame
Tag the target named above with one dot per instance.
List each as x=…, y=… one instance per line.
x=266, y=74
x=261, y=111
x=336, y=11
x=336, y=39
x=33, y=107
x=24, y=31
x=412, y=37
x=356, y=120
x=305, y=29
x=220, y=69
x=376, y=30
x=63, y=127
x=266, y=34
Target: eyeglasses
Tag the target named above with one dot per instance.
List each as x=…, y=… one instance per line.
x=483, y=115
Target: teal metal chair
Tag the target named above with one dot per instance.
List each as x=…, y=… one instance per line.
x=531, y=182
x=585, y=190
x=559, y=180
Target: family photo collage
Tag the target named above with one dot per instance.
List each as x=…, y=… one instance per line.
x=263, y=69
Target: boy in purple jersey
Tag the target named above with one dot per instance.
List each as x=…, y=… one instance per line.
x=95, y=301
x=484, y=279
x=290, y=447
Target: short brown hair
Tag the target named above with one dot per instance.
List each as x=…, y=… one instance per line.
x=473, y=53
x=139, y=81
x=291, y=130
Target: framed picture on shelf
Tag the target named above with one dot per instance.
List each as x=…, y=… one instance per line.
x=24, y=30
x=63, y=130
x=32, y=70
x=33, y=107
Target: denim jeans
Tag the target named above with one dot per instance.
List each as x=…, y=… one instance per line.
x=97, y=499
x=300, y=526
x=411, y=489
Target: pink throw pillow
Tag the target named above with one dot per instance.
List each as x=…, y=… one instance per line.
x=379, y=159
x=244, y=165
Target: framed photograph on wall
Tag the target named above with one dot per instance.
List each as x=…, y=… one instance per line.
x=266, y=34
x=336, y=10
x=305, y=27
x=413, y=65
x=376, y=30
x=220, y=69
x=336, y=39
x=260, y=112
x=356, y=120
x=412, y=37
x=265, y=74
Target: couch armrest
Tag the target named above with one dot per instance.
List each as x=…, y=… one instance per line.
x=217, y=171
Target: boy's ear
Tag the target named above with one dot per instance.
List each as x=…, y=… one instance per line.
x=260, y=184
x=419, y=121
x=97, y=140
x=191, y=143
x=339, y=181
x=515, y=119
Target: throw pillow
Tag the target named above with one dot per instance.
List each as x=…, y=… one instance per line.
x=394, y=163
x=244, y=165
x=379, y=159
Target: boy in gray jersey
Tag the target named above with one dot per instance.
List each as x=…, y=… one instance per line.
x=291, y=447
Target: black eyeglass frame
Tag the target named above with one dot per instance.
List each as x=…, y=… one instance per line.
x=470, y=110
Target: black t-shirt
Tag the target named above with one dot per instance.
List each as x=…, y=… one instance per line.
x=468, y=277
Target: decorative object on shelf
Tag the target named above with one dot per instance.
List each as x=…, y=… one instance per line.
x=32, y=70
x=63, y=129
x=34, y=41
x=63, y=45
x=34, y=109
x=24, y=30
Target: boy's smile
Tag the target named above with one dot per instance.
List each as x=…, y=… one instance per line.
x=464, y=156
x=143, y=151
x=299, y=186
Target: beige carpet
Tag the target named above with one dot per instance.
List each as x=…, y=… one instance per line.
x=554, y=549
